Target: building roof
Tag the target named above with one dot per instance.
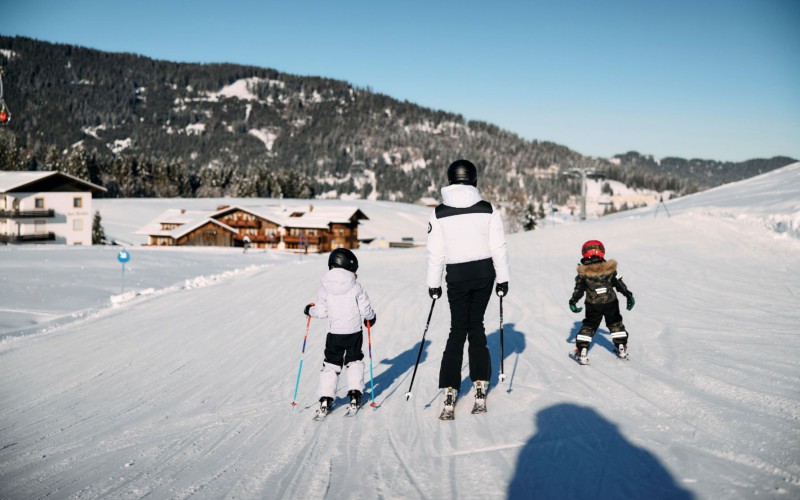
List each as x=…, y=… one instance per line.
x=185, y=229
x=26, y=182
x=291, y=217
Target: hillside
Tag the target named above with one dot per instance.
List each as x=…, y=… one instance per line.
x=147, y=128
x=181, y=386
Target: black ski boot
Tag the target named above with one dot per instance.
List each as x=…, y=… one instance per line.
x=355, y=401
x=325, y=405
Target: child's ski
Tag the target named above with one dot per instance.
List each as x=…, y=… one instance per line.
x=352, y=410
x=325, y=406
x=581, y=357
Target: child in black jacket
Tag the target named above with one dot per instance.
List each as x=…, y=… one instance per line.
x=598, y=278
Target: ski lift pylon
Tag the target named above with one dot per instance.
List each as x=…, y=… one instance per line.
x=5, y=114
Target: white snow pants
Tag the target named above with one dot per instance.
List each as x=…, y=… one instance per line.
x=329, y=378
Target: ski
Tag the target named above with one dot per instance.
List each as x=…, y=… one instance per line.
x=449, y=410
x=352, y=410
x=479, y=406
x=325, y=407
x=580, y=357
x=480, y=397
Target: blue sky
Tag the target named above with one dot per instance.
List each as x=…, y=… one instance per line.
x=715, y=79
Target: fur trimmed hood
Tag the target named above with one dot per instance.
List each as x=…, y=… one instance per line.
x=598, y=269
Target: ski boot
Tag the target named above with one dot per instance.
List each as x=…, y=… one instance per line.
x=325, y=405
x=582, y=356
x=481, y=387
x=355, y=402
x=449, y=410
x=622, y=351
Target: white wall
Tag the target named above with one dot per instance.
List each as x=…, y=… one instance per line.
x=67, y=217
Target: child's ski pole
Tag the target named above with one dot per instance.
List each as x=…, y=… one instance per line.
x=419, y=354
x=502, y=371
x=303, y=352
x=371, y=380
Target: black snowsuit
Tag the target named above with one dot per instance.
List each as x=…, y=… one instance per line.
x=598, y=279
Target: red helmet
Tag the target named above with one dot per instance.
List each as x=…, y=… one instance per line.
x=593, y=248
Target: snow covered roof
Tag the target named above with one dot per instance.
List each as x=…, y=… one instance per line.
x=293, y=216
x=31, y=181
x=188, y=228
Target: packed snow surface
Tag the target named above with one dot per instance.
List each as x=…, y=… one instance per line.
x=180, y=385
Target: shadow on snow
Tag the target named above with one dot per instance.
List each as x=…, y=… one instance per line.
x=598, y=339
x=513, y=343
x=576, y=454
x=401, y=364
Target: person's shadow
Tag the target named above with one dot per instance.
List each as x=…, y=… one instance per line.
x=513, y=344
x=577, y=454
x=398, y=365
x=598, y=339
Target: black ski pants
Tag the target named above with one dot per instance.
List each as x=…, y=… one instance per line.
x=468, y=301
x=343, y=349
x=591, y=322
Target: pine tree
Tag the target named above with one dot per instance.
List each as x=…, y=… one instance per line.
x=98, y=235
x=529, y=218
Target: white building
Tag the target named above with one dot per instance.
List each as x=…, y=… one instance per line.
x=46, y=207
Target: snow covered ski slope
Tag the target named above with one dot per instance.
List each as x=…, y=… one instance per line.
x=186, y=390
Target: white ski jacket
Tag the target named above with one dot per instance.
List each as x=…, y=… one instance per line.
x=343, y=301
x=465, y=238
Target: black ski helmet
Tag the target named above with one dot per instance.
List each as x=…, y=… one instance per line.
x=462, y=172
x=344, y=259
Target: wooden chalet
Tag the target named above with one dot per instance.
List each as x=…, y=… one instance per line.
x=299, y=229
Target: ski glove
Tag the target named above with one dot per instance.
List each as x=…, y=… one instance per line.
x=501, y=289
x=631, y=302
x=307, y=308
x=371, y=321
x=435, y=293
x=574, y=308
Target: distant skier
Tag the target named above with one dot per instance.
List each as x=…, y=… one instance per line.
x=598, y=278
x=465, y=238
x=344, y=302
x=246, y=243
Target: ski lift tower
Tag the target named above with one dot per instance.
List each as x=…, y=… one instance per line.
x=584, y=170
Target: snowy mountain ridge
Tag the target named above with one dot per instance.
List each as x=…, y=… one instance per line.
x=186, y=393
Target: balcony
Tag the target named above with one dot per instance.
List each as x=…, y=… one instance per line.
x=25, y=238
x=260, y=238
x=26, y=214
x=240, y=222
x=307, y=240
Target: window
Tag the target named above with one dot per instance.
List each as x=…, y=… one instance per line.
x=39, y=202
x=77, y=202
x=77, y=224
x=39, y=226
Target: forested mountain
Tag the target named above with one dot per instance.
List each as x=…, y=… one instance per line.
x=142, y=127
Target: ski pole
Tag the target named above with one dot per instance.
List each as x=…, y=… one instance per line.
x=371, y=379
x=502, y=371
x=419, y=354
x=303, y=352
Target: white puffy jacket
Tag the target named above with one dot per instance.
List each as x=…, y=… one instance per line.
x=465, y=237
x=343, y=301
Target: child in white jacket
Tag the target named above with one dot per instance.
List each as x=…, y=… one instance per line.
x=344, y=302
